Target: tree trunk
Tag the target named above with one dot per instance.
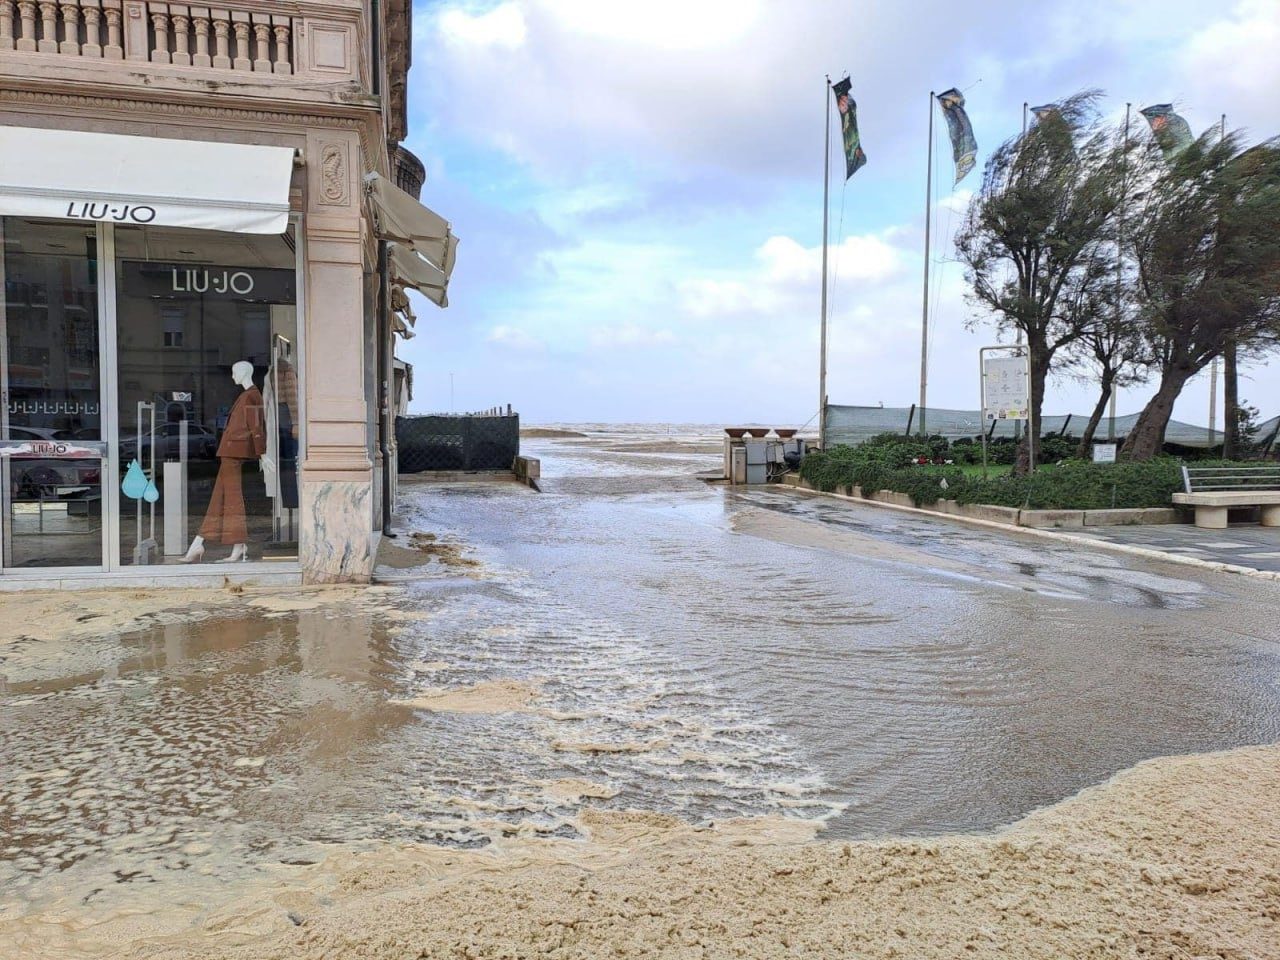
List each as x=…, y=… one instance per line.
x=1146, y=438
x=1040, y=360
x=1230, y=404
x=1086, y=438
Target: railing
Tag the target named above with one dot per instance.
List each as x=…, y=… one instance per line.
x=170, y=33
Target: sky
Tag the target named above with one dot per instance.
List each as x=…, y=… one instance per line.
x=638, y=190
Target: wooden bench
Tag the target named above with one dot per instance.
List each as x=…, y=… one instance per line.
x=1215, y=490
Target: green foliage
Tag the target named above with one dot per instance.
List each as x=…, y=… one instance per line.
x=888, y=462
x=1081, y=485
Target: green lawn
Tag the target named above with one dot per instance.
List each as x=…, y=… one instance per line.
x=974, y=470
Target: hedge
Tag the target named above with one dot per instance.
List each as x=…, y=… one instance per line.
x=887, y=463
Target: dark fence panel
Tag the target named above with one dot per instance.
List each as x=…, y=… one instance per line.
x=437, y=442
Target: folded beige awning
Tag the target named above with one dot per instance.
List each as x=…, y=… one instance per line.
x=410, y=270
x=422, y=247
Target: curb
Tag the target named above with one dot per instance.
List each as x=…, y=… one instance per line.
x=1144, y=552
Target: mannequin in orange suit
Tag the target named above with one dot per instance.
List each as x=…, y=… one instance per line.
x=245, y=438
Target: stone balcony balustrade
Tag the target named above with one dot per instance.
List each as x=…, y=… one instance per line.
x=273, y=49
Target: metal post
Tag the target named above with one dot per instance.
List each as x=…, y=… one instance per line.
x=924, y=316
x=826, y=213
x=1032, y=433
x=982, y=404
x=1213, y=400
x=1017, y=426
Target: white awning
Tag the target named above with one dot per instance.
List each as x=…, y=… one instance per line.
x=77, y=175
x=422, y=246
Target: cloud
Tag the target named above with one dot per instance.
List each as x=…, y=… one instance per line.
x=513, y=338
x=628, y=336
x=644, y=180
x=502, y=28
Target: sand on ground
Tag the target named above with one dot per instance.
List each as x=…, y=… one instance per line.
x=57, y=615
x=550, y=433
x=1175, y=858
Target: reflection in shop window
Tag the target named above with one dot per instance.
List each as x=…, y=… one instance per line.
x=174, y=321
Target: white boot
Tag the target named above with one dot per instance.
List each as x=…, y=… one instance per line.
x=195, y=553
x=238, y=553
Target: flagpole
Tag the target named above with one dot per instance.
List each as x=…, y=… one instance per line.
x=1017, y=424
x=924, y=316
x=1124, y=204
x=826, y=212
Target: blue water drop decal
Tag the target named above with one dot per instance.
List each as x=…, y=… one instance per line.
x=151, y=494
x=135, y=481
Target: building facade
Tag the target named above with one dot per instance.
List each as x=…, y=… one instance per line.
x=197, y=326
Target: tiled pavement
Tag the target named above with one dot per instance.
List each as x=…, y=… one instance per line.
x=1245, y=545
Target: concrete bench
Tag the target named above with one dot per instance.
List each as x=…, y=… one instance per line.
x=1213, y=491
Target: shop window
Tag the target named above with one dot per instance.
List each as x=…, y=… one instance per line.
x=210, y=428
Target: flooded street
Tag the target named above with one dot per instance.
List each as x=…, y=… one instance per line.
x=628, y=639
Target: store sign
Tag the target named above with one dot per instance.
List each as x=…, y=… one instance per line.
x=51, y=449
x=191, y=281
x=1006, y=383
x=114, y=212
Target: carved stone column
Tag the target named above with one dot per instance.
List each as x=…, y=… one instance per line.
x=200, y=19
x=92, y=29
x=284, y=63
x=70, y=28
x=221, y=28
x=27, y=11
x=160, y=51
x=240, y=23
x=7, y=12
x=48, y=27
x=114, y=50
x=262, y=36
x=181, y=36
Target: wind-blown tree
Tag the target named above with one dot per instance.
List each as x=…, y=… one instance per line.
x=1038, y=241
x=1205, y=237
x=1111, y=355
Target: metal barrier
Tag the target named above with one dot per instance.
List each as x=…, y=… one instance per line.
x=457, y=442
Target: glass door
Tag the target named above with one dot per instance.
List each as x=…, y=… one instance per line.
x=52, y=449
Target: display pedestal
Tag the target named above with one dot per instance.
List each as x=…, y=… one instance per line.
x=175, y=509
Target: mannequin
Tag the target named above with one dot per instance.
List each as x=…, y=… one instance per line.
x=244, y=439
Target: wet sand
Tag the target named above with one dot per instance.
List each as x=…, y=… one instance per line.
x=1178, y=857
